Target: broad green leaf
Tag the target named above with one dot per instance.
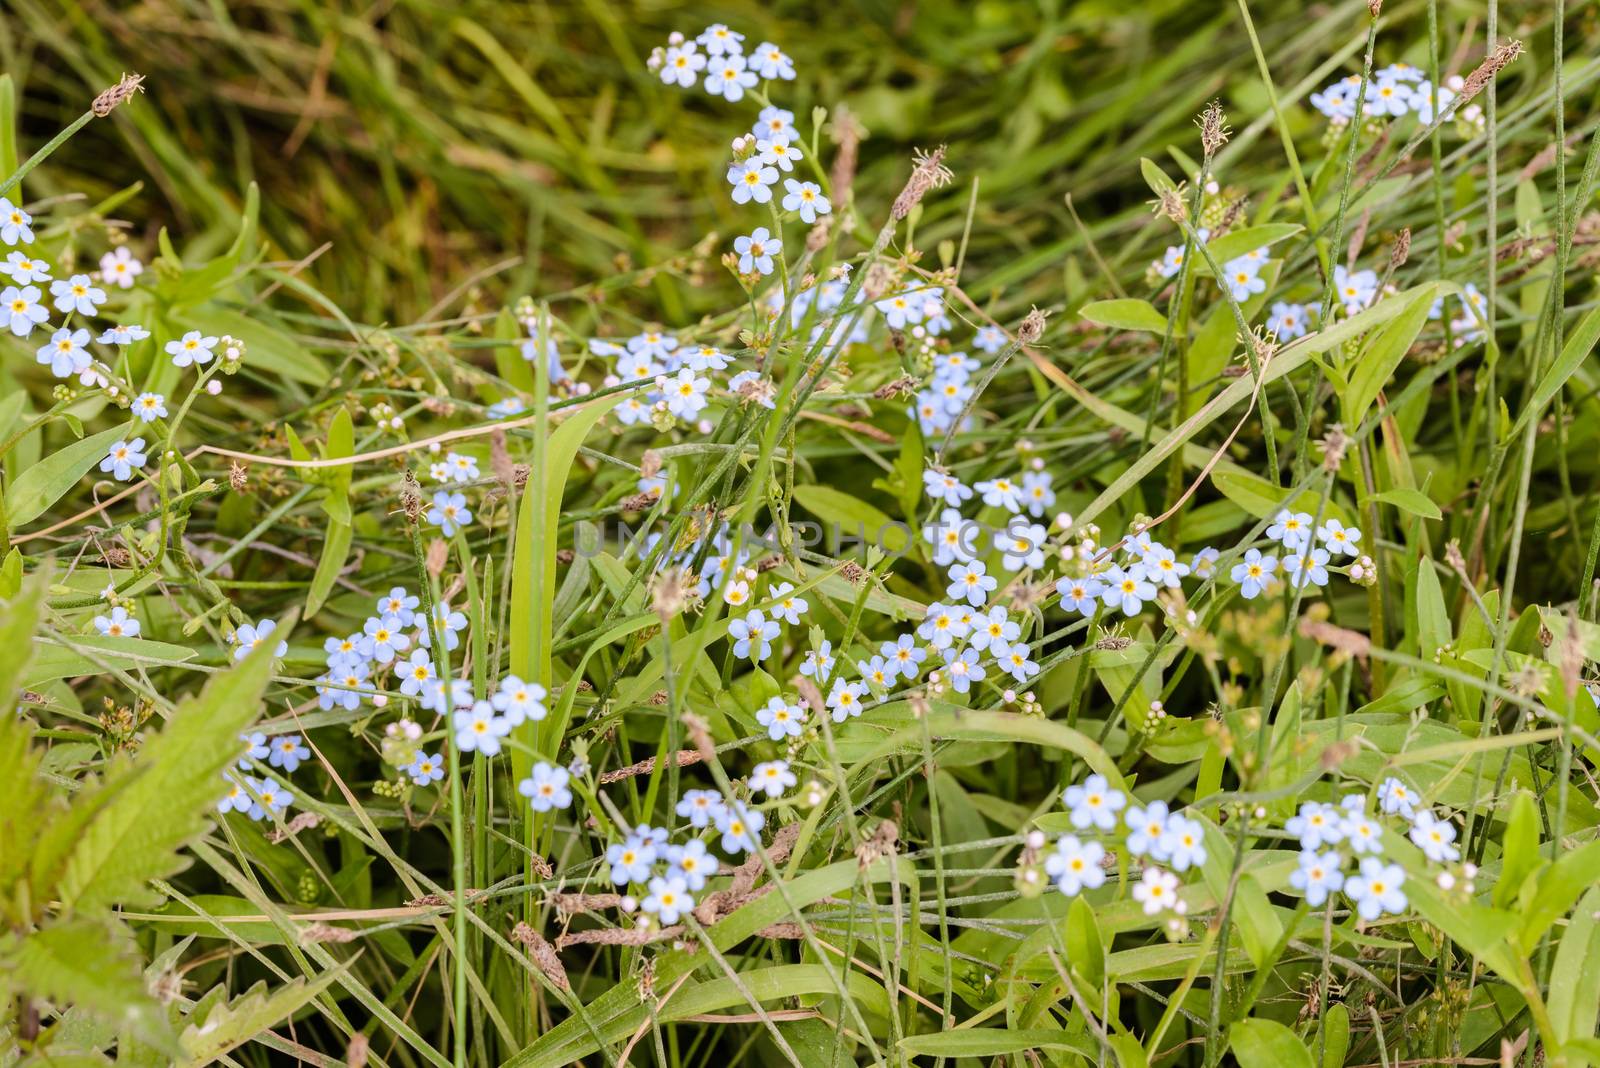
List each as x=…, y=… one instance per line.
x=18, y=618
x=341, y=442
x=533, y=566
x=1335, y=1037
x=95, y=653
x=1259, y=1043
x=1556, y=887
x=1414, y=502
x=1125, y=314
x=1377, y=362
x=853, y=517
x=32, y=493
x=82, y=962
x=1433, y=617
x=1519, y=849
x=993, y=1042
x=174, y=782
x=1580, y=343
x=1261, y=498
x=335, y=550
x=1085, y=949
x=1130, y=1054
x=230, y=1025
x=1574, y=1000
x=1236, y=243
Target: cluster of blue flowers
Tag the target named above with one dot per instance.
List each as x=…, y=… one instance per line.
x=67, y=352
x=723, y=69
x=1395, y=91
x=1335, y=837
x=1163, y=839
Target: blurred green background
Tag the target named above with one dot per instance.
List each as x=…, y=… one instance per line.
x=430, y=141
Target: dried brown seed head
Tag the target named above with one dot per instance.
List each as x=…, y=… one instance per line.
x=108, y=101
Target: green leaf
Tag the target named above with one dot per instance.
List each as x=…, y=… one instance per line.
x=1414, y=502
x=1574, y=999
x=1378, y=362
x=1519, y=849
x=1126, y=314
x=1556, y=887
x=1433, y=617
x=1260, y=498
x=1259, y=1043
x=84, y=963
x=100, y=653
x=1335, y=1038
x=230, y=1025
x=341, y=443
x=52, y=478
x=993, y=1042
x=17, y=622
x=533, y=565
x=853, y=517
x=1581, y=340
x=1236, y=243
x=335, y=550
x=1085, y=949
x=180, y=284
x=174, y=782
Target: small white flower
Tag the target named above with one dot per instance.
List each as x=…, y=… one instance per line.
x=772, y=777
x=1156, y=890
x=119, y=268
x=192, y=348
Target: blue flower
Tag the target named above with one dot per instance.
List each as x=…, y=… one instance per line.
x=65, y=353
x=990, y=339
x=1094, y=803
x=727, y=76
x=248, y=638
x=123, y=458
x=1146, y=827
x=384, y=637
x=449, y=512
x=692, y=863
x=148, y=407
x=740, y=828
x=1080, y=595
x=905, y=655
x=1184, y=842
x=805, y=198
x=756, y=250
x=546, y=787
x=630, y=860
x=1317, y=876
x=970, y=581
x=519, y=701
x=1377, y=889
x=700, y=807
x=1076, y=866
x=449, y=622
x=426, y=769
x=1127, y=590
x=478, y=729
x=270, y=798
x=753, y=636
x=1254, y=573
x=288, y=750
x=771, y=62
x=781, y=719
